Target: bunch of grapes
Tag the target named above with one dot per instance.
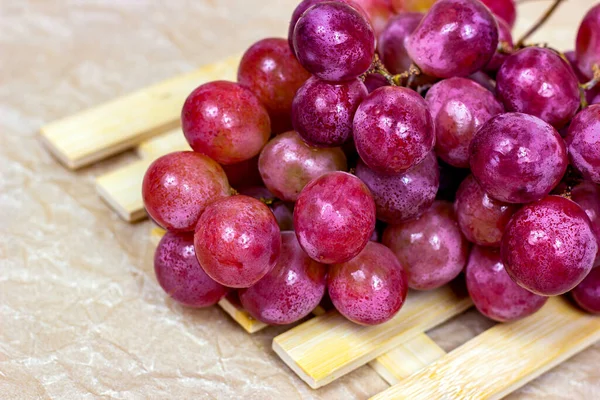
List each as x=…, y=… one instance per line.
x=379, y=149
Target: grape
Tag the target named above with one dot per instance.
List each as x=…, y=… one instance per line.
x=481, y=218
x=538, y=82
x=393, y=130
x=391, y=41
x=334, y=217
x=378, y=13
x=283, y=214
x=375, y=81
x=237, y=241
x=431, y=247
x=178, y=186
x=243, y=174
x=180, y=275
x=225, y=121
x=592, y=95
x=287, y=164
x=587, y=293
x=459, y=106
x=412, y=5
x=369, y=289
x=505, y=9
x=587, y=196
x=291, y=290
x=583, y=141
x=334, y=42
x=517, y=158
x=505, y=36
x=322, y=112
x=587, y=45
x=271, y=71
x=450, y=179
x=484, y=80
x=548, y=246
x=493, y=292
x=403, y=196
x=455, y=38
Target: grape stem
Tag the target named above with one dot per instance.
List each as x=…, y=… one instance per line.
x=377, y=67
x=589, y=85
x=539, y=23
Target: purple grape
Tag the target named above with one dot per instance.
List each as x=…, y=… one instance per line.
x=583, y=141
x=334, y=217
x=538, y=82
x=548, y=246
x=375, y=81
x=334, y=42
x=283, y=214
x=484, y=80
x=587, y=293
x=291, y=290
x=517, y=158
x=431, y=248
x=493, y=291
x=592, y=95
x=391, y=41
x=393, y=130
x=455, y=38
x=505, y=36
x=369, y=289
x=587, y=196
x=403, y=196
x=505, y=9
x=588, y=42
x=322, y=112
x=459, y=106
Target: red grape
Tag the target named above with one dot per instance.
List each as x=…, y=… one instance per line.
x=592, y=95
x=375, y=81
x=177, y=187
x=243, y=174
x=369, y=289
x=505, y=9
x=431, y=247
x=334, y=217
x=587, y=45
x=505, y=36
x=282, y=213
x=587, y=195
x=237, y=241
x=378, y=13
x=493, y=291
x=548, y=246
x=291, y=290
x=180, y=275
x=583, y=140
x=587, y=293
x=225, y=121
x=484, y=80
x=393, y=130
x=391, y=41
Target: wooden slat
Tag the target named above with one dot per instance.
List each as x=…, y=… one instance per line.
x=328, y=347
x=163, y=144
x=107, y=129
x=503, y=358
x=241, y=316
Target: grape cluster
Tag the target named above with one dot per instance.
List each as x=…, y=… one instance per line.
x=388, y=145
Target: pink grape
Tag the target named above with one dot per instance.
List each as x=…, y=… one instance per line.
x=375, y=81
x=393, y=130
x=271, y=71
x=493, y=291
x=505, y=9
x=283, y=214
x=181, y=276
x=587, y=45
x=287, y=164
x=177, y=187
x=369, y=289
x=225, y=121
x=587, y=293
x=587, y=196
x=237, y=241
x=592, y=95
x=517, y=158
x=334, y=217
x=459, y=107
x=291, y=290
x=430, y=247
x=481, y=218
x=391, y=41
x=455, y=38
x=378, y=13
x=504, y=35
x=583, y=141
x=403, y=196
x=243, y=174
x=548, y=246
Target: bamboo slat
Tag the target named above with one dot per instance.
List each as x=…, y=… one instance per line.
x=163, y=144
x=241, y=316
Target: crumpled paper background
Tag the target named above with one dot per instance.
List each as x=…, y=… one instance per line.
x=81, y=314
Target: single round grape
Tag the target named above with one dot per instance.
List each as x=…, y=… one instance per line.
x=505, y=9
x=517, y=158
x=271, y=71
x=538, y=82
x=455, y=38
x=287, y=164
x=283, y=214
x=450, y=179
x=334, y=42
x=334, y=217
x=390, y=44
x=431, y=248
x=178, y=186
x=587, y=45
x=493, y=291
x=504, y=35
x=393, y=130
x=322, y=112
x=587, y=293
x=459, y=106
x=587, y=196
x=291, y=290
x=375, y=81
x=481, y=218
x=583, y=142
x=243, y=174
x=412, y=5
x=378, y=13
x=237, y=241
x=181, y=276
x=548, y=246
x=369, y=289
x=225, y=121
x=403, y=196
x=592, y=95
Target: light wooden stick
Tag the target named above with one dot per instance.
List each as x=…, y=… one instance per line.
x=503, y=358
x=241, y=316
x=118, y=125
x=163, y=144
